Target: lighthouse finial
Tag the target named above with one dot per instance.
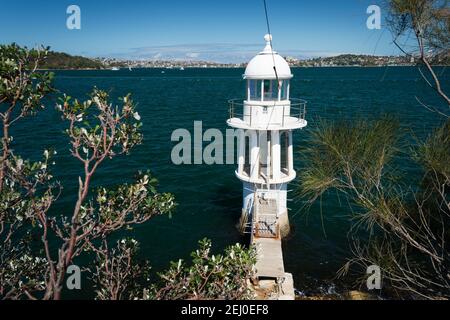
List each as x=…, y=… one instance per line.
x=268, y=39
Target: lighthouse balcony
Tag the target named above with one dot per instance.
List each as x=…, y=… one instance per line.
x=264, y=177
x=267, y=115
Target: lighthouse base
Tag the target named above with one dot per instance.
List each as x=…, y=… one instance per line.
x=264, y=211
x=283, y=223
x=245, y=224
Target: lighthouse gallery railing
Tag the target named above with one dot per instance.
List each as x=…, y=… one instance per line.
x=297, y=110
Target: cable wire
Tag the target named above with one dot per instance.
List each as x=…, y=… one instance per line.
x=270, y=41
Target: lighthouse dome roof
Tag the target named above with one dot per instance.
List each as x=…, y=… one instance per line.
x=262, y=65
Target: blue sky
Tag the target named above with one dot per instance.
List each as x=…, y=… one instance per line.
x=225, y=30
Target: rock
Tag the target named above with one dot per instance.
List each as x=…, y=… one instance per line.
x=358, y=295
x=268, y=285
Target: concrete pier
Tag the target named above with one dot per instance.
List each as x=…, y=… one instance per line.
x=269, y=255
x=269, y=267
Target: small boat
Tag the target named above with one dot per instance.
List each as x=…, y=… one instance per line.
x=182, y=69
x=115, y=69
x=129, y=68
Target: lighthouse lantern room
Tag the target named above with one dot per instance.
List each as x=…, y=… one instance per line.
x=267, y=117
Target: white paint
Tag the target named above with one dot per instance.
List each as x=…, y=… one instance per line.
x=255, y=156
x=241, y=159
x=290, y=154
x=276, y=158
x=261, y=66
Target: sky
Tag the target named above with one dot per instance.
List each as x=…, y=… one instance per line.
x=213, y=30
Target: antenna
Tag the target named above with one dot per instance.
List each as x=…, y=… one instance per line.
x=271, y=45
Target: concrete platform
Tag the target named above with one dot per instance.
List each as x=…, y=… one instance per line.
x=269, y=258
x=287, y=288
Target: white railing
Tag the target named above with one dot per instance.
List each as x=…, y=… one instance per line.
x=297, y=109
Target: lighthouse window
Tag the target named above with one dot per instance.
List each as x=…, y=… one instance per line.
x=247, y=156
x=284, y=90
x=254, y=90
x=270, y=90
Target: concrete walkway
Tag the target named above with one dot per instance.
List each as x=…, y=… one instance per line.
x=269, y=253
x=269, y=258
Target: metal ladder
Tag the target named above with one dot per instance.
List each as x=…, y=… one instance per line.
x=246, y=227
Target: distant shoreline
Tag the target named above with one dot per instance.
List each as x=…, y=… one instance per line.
x=232, y=67
x=64, y=61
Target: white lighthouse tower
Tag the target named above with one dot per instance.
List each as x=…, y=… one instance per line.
x=268, y=116
x=267, y=119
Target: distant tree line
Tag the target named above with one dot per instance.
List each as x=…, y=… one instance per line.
x=59, y=60
x=441, y=59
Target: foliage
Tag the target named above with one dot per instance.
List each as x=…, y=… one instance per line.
x=119, y=274
x=20, y=83
x=97, y=131
x=223, y=277
x=407, y=224
x=32, y=267
x=429, y=19
x=26, y=188
x=429, y=22
x=360, y=150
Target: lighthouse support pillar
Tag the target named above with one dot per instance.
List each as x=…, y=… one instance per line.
x=276, y=155
x=255, y=156
x=282, y=214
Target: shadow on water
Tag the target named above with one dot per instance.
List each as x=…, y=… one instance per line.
x=228, y=201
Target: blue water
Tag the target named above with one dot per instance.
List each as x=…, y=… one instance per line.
x=209, y=197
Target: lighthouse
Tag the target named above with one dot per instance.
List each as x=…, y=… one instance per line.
x=267, y=118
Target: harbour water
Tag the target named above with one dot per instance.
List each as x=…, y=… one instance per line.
x=209, y=197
